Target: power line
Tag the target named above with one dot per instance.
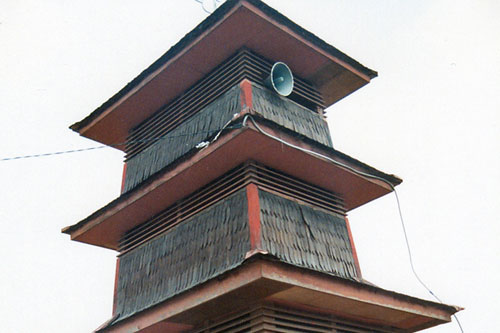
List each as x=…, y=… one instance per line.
x=203, y=6
x=62, y=152
x=214, y=5
x=51, y=153
x=204, y=144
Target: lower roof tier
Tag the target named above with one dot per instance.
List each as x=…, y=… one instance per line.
x=248, y=174
x=346, y=177
x=267, y=283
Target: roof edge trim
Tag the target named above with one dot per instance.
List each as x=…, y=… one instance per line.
x=212, y=20
x=149, y=181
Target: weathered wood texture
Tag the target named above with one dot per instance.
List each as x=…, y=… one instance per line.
x=182, y=139
x=290, y=115
x=264, y=177
x=203, y=247
x=244, y=64
x=206, y=123
x=217, y=240
x=306, y=237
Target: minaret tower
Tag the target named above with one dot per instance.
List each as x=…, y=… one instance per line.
x=233, y=211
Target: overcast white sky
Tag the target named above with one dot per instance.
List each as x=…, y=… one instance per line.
x=430, y=117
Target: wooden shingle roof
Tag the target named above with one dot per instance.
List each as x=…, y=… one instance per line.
x=236, y=24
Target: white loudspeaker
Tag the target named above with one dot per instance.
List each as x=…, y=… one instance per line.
x=280, y=79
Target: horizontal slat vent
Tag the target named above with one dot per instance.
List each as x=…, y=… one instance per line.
x=280, y=320
x=243, y=65
x=266, y=179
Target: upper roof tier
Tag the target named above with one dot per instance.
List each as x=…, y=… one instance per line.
x=234, y=25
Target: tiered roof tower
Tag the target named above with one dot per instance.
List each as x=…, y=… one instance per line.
x=232, y=216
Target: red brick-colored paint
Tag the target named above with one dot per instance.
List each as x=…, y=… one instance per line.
x=354, y=253
x=123, y=176
x=254, y=216
x=246, y=94
x=117, y=271
x=285, y=284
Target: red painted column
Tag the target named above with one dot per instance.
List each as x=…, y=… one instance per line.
x=116, y=284
x=246, y=94
x=254, y=216
x=123, y=176
x=354, y=253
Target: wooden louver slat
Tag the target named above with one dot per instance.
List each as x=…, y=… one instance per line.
x=269, y=318
x=265, y=178
x=244, y=64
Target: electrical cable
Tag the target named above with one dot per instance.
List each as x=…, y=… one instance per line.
x=205, y=144
x=364, y=175
x=50, y=154
x=226, y=126
x=214, y=2
x=203, y=6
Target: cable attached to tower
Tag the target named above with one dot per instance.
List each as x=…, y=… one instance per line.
x=214, y=5
x=364, y=174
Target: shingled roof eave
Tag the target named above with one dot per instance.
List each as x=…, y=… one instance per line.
x=260, y=257
x=206, y=24
x=394, y=180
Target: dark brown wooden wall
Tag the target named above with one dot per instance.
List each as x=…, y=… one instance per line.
x=210, y=243
x=182, y=140
x=217, y=240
